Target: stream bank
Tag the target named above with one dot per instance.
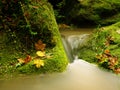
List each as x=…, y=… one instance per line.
x=29, y=28
x=103, y=48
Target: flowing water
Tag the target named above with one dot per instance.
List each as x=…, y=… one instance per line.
x=80, y=75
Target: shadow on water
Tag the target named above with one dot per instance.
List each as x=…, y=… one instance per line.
x=80, y=75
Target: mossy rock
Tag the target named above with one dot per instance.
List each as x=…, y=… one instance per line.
x=90, y=12
x=103, y=48
x=39, y=23
x=87, y=54
x=50, y=32
x=57, y=63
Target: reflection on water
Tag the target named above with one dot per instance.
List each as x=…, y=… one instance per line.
x=77, y=31
x=80, y=75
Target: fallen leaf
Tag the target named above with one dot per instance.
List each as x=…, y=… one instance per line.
x=21, y=60
x=38, y=63
x=107, y=51
x=40, y=53
x=48, y=56
x=111, y=67
x=40, y=45
x=118, y=31
x=117, y=71
x=27, y=59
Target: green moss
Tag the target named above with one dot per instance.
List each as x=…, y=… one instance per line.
x=41, y=25
x=92, y=12
x=57, y=63
x=102, y=46
x=87, y=54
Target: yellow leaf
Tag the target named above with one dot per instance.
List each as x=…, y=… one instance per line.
x=21, y=60
x=40, y=53
x=48, y=56
x=38, y=63
x=118, y=31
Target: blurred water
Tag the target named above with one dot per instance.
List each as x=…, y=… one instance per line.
x=80, y=75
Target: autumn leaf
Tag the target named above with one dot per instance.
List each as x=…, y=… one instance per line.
x=111, y=67
x=113, y=61
x=21, y=60
x=107, y=43
x=48, y=56
x=40, y=53
x=107, y=51
x=99, y=56
x=38, y=63
x=118, y=31
x=26, y=14
x=40, y=45
x=27, y=59
x=117, y=70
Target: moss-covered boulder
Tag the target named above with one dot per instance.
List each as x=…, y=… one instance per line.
x=30, y=22
x=103, y=48
x=82, y=12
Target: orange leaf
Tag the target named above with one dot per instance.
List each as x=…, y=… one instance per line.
x=117, y=71
x=26, y=14
x=107, y=51
x=40, y=45
x=27, y=59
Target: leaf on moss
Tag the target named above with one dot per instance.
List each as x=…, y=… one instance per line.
x=48, y=56
x=107, y=51
x=40, y=45
x=40, y=53
x=117, y=70
x=38, y=63
x=118, y=31
x=21, y=60
x=27, y=59
x=99, y=56
x=113, y=61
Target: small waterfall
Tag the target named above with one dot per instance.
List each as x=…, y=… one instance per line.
x=72, y=43
x=80, y=75
x=67, y=48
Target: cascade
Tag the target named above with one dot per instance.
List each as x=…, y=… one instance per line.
x=80, y=75
x=72, y=43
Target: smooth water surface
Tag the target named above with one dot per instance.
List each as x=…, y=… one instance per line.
x=77, y=31
x=80, y=75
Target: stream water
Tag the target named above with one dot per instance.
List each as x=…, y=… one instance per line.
x=80, y=75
